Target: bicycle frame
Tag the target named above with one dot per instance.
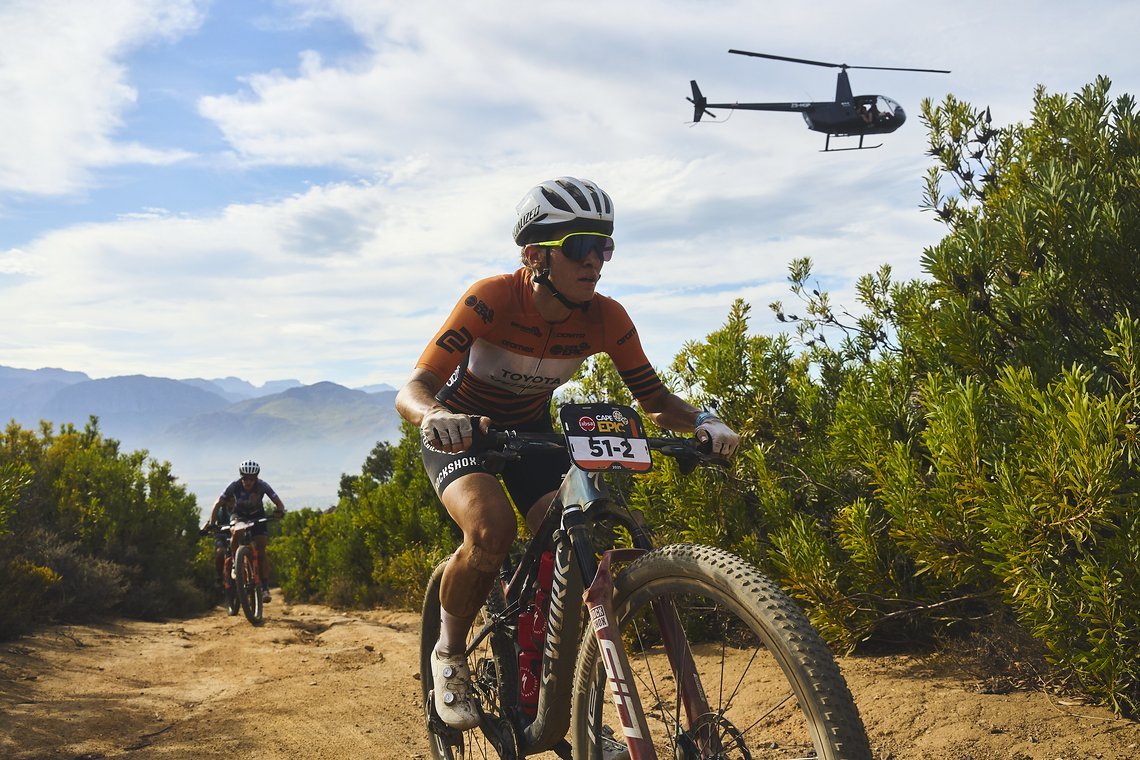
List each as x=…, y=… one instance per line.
x=240, y=536
x=564, y=529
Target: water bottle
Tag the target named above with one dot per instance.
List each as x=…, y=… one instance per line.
x=532, y=635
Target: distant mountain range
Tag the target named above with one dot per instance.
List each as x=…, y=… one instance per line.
x=304, y=436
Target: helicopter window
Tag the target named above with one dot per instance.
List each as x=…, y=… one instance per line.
x=885, y=107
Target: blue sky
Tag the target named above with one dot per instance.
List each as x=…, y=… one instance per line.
x=298, y=189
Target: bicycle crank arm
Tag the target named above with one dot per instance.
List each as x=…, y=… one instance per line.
x=623, y=689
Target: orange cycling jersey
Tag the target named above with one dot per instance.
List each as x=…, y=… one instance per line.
x=505, y=361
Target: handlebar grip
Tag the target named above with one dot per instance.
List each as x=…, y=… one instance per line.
x=703, y=447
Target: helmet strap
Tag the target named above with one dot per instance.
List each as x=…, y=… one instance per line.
x=543, y=278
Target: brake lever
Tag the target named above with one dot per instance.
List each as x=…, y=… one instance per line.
x=702, y=452
x=686, y=464
x=707, y=455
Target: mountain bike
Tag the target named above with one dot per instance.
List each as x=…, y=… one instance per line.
x=690, y=651
x=242, y=573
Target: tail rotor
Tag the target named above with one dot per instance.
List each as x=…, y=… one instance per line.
x=699, y=102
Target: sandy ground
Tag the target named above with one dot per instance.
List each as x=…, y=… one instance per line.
x=317, y=683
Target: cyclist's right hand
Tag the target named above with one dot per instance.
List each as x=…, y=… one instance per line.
x=448, y=431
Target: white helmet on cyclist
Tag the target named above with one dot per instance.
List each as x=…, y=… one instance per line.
x=557, y=207
x=249, y=467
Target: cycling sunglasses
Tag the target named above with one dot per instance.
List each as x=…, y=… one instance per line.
x=578, y=245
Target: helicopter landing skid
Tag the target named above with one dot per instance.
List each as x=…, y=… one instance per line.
x=859, y=147
x=828, y=149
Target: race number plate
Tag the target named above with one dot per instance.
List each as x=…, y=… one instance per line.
x=605, y=437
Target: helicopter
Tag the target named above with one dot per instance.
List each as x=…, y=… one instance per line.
x=847, y=116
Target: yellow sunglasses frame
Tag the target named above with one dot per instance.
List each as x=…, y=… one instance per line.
x=559, y=243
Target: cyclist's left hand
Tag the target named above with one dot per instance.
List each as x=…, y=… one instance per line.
x=725, y=440
x=279, y=512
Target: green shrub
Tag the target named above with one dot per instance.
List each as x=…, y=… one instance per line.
x=88, y=586
x=24, y=589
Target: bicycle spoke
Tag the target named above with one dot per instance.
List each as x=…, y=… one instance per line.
x=771, y=710
x=740, y=681
x=650, y=693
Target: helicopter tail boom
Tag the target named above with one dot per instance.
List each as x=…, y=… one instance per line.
x=787, y=107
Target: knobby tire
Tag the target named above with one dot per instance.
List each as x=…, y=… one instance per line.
x=772, y=687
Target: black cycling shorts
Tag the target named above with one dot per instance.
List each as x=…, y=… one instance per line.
x=537, y=474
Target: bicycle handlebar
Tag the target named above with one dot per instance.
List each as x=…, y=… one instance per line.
x=687, y=451
x=217, y=528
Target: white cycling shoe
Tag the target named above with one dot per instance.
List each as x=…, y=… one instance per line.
x=454, y=704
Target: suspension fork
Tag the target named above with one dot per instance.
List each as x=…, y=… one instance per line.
x=581, y=488
x=685, y=675
x=599, y=600
x=623, y=688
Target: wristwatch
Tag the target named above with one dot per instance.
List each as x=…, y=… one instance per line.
x=704, y=416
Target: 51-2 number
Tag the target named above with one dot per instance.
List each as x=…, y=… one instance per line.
x=600, y=447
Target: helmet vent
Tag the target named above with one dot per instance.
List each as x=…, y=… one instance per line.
x=556, y=200
x=576, y=194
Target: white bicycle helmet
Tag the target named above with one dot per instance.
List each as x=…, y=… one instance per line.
x=557, y=207
x=249, y=467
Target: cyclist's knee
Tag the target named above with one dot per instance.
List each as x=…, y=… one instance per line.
x=483, y=561
x=493, y=539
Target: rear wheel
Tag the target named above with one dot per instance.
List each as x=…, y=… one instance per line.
x=248, y=584
x=494, y=677
x=765, y=685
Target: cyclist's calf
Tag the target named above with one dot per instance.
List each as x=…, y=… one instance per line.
x=475, y=565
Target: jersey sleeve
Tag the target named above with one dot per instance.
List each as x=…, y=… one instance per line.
x=268, y=490
x=624, y=347
x=471, y=318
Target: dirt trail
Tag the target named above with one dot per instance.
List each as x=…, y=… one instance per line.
x=316, y=683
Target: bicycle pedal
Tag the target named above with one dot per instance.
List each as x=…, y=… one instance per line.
x=436, y=725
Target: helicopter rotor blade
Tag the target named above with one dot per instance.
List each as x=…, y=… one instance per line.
x=898, y=68
x=786, y=58
x=834, y=65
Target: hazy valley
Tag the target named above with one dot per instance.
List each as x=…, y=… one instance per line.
x=304, y=436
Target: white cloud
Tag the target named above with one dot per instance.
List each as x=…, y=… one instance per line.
x=363, y=272
x=469, y=81
x=425, y=136
x=66, y=90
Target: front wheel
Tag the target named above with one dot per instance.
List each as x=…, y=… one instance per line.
x=754, y=681
x=248, y=584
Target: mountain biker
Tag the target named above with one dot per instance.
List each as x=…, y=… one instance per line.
x=498, y=358
x=242, y=499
